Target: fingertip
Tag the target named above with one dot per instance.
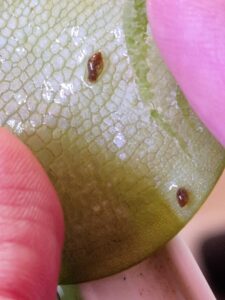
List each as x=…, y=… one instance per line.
x=191, y=38
x=31, y=227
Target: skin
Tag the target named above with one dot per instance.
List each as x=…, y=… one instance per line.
x=31, y=231
x=190, y=35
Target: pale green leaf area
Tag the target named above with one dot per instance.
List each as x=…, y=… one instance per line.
x=118, y=149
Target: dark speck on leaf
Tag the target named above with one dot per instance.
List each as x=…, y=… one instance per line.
x=182, y=197
x=95, y=66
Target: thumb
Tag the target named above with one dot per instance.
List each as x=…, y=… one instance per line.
x=31, y=225
x=191, y=37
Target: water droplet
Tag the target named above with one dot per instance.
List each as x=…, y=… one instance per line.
x=21, y=51
x=47, y=91
x=122, y=156
x=17, y=126
x=11, y=123
x=173, y=186
x=20, y=98
x=119, y=140
x=78, y=35
x=118, y=34
x=66, y=89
